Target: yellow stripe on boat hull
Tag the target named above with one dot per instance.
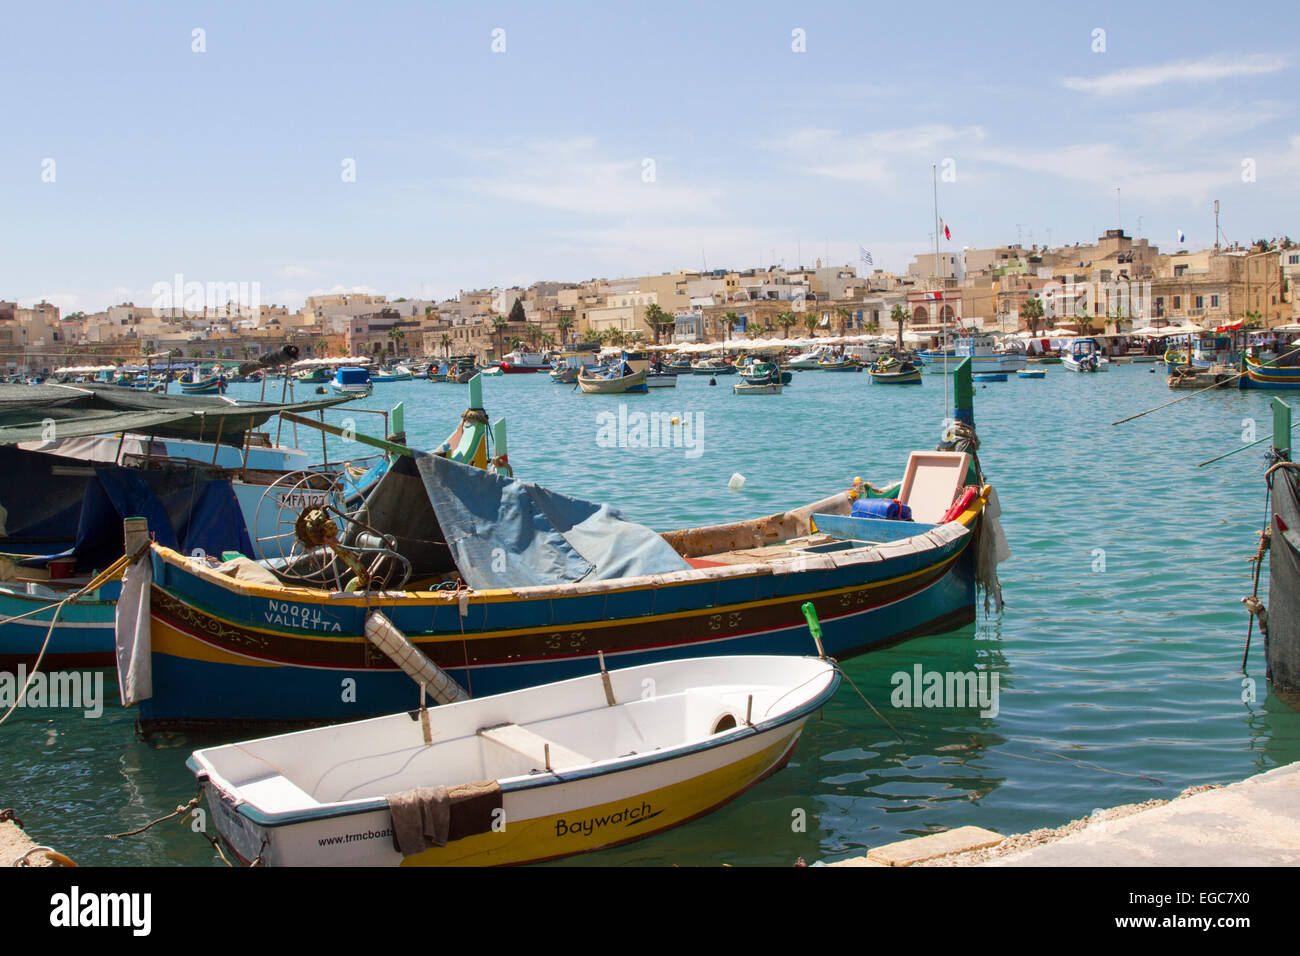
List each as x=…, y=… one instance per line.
x=609, y=824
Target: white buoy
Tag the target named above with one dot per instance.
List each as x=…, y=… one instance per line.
x=737, y=481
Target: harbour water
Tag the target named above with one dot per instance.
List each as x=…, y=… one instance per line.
x=1117, y=655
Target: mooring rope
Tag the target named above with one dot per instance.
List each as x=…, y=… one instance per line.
x=112, y=571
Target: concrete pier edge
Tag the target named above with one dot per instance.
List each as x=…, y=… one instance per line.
x=14, y=844
x=1255, y=822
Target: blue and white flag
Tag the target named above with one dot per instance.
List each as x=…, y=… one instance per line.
x=1181, y=236
x=866, y=256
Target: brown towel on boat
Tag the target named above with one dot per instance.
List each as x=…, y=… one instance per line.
x=431, y=816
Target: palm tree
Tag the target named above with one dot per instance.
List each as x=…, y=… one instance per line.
x=498, y=330
x=730, y=321
x=754, y=332
x=844, y=316
x=322, y=346
x=810, y=323
x=658, y=320
x=397, y=339
x=593, y=335
x=562, y=325
x=786, y=320
x=899, y=314
x=445, y=342
x=1031, y=311
x=533, y=333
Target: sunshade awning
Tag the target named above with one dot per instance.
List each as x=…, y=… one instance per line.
x=29, y=412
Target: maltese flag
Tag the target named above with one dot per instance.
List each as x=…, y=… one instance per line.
x=947, y=234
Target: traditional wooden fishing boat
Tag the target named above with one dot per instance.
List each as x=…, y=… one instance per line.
x=66, y=499
x=394, y=375
x=580, y=765
x=617, y=379
x=1031, y=373
x=841, y=364
x=892, y=371
x=765, y=373
x=1280, y=621
x=713, y=366
x=505, y=585
x=195, y=383
x=768, y=388
x=1283, y=373
x=318, y=375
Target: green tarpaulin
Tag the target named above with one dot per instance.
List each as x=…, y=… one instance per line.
x=28, y=412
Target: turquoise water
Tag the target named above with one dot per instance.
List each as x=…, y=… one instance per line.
x=1118, y=653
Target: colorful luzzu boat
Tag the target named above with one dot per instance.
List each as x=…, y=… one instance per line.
x=1262, y=375
x=194, y=384
x=532, y=775
x=892, y=371
x=512, y=586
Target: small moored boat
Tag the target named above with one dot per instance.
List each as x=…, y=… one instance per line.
x=531, y=775
x=352, y=380
x=892, y=371
x=1031, y=373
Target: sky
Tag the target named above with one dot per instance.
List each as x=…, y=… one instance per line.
x=420, y=149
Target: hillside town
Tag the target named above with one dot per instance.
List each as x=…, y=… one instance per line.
x=1111, y=286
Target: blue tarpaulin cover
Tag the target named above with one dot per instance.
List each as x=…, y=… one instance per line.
x=504, y=532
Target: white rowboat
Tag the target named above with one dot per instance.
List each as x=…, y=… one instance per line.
x=541, y=773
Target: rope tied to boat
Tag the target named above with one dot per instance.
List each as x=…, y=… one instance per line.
x=114, y=570
x=182, y=810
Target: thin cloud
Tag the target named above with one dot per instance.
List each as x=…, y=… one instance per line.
x=1183, y=71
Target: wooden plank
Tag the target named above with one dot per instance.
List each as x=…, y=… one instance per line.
x=533, y=746
x=1281, y=424
x=380, y=443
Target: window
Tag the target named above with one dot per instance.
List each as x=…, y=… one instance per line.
x=1200, y=302
x=1178, y=302
x=1214, y=302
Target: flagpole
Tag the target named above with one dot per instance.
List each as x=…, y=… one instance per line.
x=943, y=326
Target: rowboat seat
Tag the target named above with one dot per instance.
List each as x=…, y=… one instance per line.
x=532, y=746
x=277, y=794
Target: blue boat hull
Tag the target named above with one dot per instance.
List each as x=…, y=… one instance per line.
x=260, y=658
x=82, y=638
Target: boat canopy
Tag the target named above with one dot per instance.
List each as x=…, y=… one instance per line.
x=502, y=532
x=348, y=375
x=79, y=411
x=68, y=507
